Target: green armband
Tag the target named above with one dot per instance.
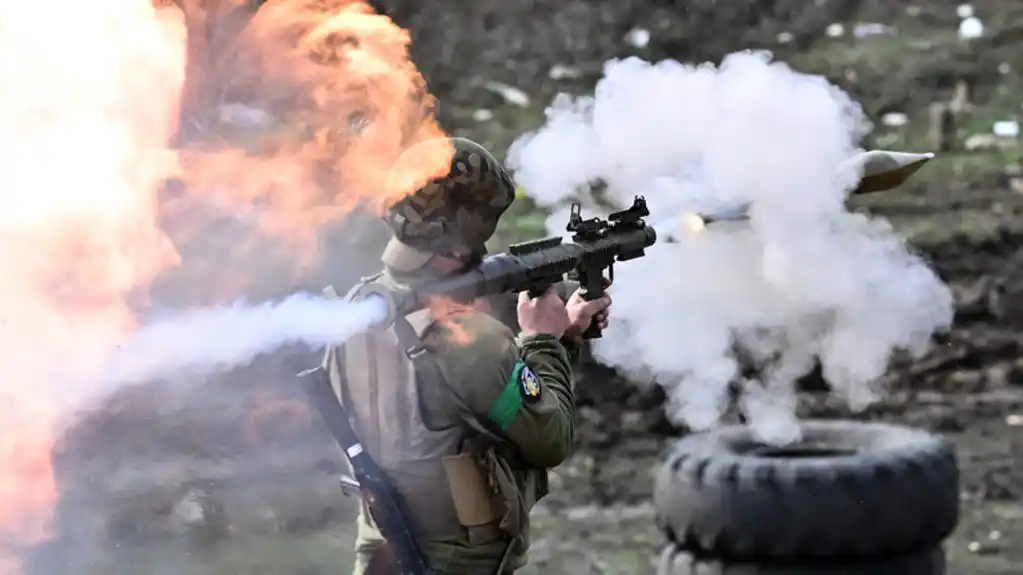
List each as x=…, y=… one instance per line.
x=509, y=403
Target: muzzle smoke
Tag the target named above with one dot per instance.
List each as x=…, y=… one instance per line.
x=205, y=340
x=804, y=280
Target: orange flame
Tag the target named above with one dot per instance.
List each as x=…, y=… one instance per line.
x=303, y=113
x=447, y=311
x=292, y=116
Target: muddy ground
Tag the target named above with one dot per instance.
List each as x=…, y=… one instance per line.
x=230, y=474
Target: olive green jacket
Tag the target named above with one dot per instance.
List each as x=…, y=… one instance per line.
x=489, y=367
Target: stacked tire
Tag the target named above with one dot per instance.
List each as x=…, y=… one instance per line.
x=850, y=498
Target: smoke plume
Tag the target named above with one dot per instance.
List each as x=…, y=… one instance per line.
x=803, y=280
x=183, y=342
x=129, y=126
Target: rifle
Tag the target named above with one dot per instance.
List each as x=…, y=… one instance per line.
x=536, y=265
x=388, y=507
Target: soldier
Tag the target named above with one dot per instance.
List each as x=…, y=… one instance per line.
x=466, y=430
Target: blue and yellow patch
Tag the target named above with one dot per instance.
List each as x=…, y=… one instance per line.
x=522, y=387
x=530, y=385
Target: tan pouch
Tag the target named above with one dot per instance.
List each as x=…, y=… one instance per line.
x=470, y=490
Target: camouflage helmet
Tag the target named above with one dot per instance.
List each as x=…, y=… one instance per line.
x=453, y=215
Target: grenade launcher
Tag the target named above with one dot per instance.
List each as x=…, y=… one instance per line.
x=536, y=265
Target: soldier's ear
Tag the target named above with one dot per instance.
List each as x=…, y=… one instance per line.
x=884, y=170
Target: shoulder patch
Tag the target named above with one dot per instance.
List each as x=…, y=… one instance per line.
x=529, y=383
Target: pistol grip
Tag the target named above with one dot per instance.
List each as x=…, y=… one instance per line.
x=590, y=294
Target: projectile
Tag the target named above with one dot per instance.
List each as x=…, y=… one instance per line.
x=885, y=170
x=697, y=221
x=882, y=170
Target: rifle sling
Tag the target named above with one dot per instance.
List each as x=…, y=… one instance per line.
x=426, y=368
x=317, y=386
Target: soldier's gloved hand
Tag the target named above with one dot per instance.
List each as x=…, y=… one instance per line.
x=581, y=312
x=545, y=314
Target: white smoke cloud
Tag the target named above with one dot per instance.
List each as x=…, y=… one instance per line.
x=804, y=279
x=204, y=340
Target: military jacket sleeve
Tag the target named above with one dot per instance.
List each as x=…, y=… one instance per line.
x=524, y=387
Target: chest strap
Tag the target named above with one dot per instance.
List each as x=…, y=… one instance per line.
x=425, y=365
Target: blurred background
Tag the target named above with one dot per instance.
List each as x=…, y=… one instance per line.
x=234, y=475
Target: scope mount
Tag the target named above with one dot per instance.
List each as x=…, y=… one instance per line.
x=632, y=215
x=596, y=227
x=591, y=228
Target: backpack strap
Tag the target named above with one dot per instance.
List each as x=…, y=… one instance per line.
x=409, y=331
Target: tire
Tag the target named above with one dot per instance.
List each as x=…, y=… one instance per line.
x=847, y=490
x=675, y=561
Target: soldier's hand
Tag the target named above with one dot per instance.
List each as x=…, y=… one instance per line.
x=581, y=313
x=546, y=314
